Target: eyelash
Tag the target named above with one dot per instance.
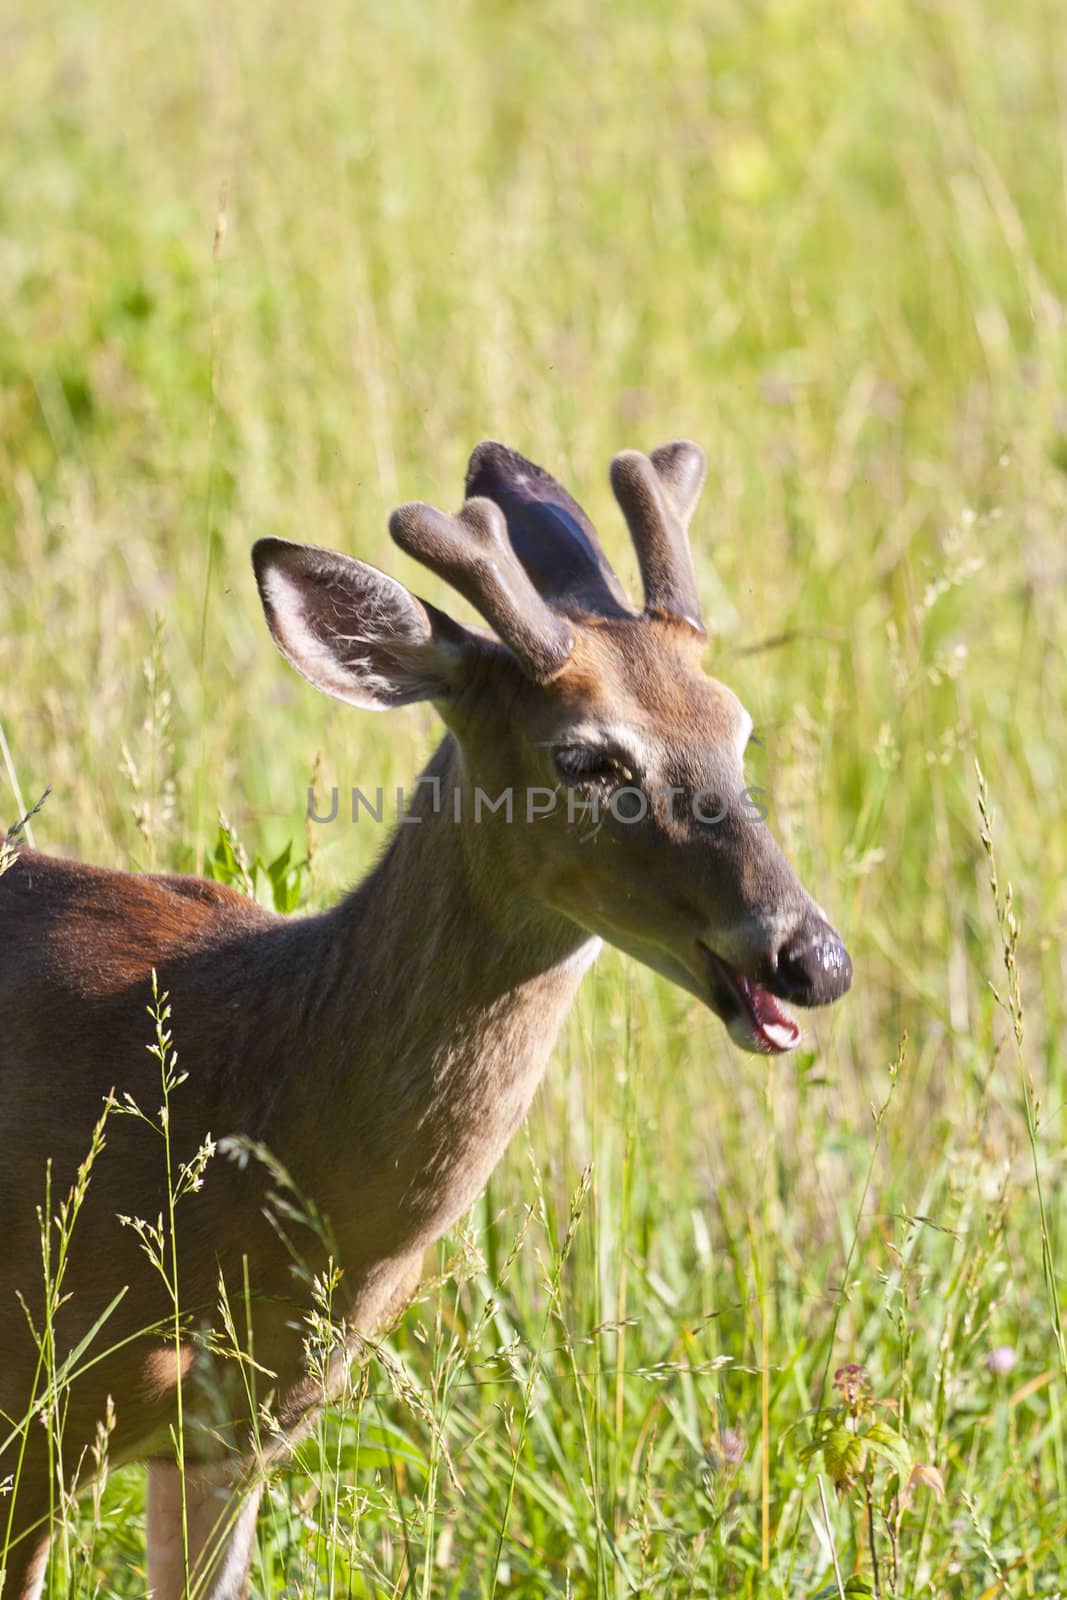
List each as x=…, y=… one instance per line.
x=578, y=763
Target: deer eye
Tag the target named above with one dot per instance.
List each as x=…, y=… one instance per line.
x=581, y=763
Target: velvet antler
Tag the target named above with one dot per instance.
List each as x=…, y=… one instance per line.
x=658, y=495
x=549, y=532
x=471, y=551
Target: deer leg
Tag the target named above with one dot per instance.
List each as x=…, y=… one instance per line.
x=221, y=1523
x=28, y=1522
x=23, y=1568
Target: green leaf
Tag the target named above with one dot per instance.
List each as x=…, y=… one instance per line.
x=842, y=1453
x=888, y=1443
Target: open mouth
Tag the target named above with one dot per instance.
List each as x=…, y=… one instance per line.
x=756, y=1020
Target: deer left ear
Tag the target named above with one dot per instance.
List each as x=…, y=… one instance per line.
x=354, y=632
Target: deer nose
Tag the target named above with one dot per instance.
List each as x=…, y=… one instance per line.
x=813, y=968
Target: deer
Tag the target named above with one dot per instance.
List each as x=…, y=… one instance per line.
x=384, y=1050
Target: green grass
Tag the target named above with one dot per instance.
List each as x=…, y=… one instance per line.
x=265, y=270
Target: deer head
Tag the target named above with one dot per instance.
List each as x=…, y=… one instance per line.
x=629, y=814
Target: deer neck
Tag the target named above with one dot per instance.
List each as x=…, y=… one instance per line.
x=443, y=989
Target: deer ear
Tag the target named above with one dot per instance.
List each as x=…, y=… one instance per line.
x=354, y=632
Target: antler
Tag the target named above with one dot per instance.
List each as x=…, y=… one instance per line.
x=658, y=495
x=549, y=532
x=471, y=552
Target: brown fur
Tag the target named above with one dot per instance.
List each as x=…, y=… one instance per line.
x=384, y=1052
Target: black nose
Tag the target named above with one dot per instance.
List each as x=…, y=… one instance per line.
x=813, y=968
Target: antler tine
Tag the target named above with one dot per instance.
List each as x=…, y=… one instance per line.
x=471, y=552
x=658, y=495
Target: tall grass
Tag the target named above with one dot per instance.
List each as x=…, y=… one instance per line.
x=271, y=271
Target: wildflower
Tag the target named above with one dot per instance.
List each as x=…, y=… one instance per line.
x=854, y=1383
x=1001, y=1360
x=732, y=1447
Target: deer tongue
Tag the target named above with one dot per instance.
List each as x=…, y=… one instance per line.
x=772, y=1028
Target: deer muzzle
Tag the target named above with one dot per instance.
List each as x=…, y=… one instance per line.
x=813, y=968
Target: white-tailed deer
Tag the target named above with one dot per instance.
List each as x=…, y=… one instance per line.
x=384, y=1051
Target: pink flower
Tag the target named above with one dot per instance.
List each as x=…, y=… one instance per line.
x=732, y=1446
x=854, y=1384
x=1001, y=1360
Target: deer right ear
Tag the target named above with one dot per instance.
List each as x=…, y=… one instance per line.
x=354, y=632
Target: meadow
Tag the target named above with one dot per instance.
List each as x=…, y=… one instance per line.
x=719, y=1326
